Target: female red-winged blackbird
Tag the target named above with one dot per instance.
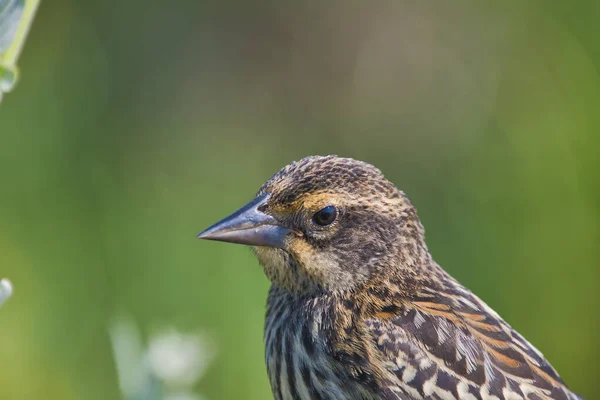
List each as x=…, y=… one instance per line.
x=358, y=309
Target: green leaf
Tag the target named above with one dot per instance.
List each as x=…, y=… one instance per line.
x=15, y=19
x=10, y=17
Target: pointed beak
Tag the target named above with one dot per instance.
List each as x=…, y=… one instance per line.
x=248, y=226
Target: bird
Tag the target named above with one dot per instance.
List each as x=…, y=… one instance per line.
x=359, y=309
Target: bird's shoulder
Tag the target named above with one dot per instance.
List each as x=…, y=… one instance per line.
x=441, y=338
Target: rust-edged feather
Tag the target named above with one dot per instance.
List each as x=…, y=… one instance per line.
x=444, y=342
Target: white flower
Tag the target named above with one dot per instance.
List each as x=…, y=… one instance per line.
x=179, y=359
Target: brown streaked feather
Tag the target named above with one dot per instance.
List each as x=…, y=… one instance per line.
x=468, y=344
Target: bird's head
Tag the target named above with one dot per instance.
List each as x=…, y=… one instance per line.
x=326, y=224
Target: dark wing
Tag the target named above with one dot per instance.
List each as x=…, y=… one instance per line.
x=446, y=343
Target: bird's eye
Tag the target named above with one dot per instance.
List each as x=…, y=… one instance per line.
x=325, y=216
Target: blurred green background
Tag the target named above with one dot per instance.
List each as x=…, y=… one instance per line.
x=137, y=124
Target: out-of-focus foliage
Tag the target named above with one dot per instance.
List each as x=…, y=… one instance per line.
x=137, y=124
x=5, y=290
x=15, y=19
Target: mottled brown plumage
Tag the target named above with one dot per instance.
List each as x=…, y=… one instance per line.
x=358, y=309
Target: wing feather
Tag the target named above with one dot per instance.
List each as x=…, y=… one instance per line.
x=446, y=343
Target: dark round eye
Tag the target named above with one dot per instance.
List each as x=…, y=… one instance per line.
x=325, y=216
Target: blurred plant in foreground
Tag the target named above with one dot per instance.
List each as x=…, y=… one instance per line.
x=167, y=369
x=5, y=290
x=15, y=18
